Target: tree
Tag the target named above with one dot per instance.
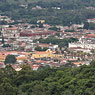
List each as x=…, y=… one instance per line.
x=6, y=45
x=44, y=49
x=3, y=41
x=26, y=75
x=38, y=90
x=89, y=26
x=43, y=67
x=40, y=25
x=93, y=62
x=38, y=48
x=10, y=59
x=6, y=88
x=9, y=72
x=3, y=22
x=54, y=28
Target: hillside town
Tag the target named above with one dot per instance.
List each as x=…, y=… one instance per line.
x=22, y=41
x=47, y=47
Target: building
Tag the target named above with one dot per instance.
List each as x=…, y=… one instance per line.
x=83, y=43
x=91, y=20
x=47, y=53
x=90, y=36
x=10, y=32
x=20, y=56
x=35, y=33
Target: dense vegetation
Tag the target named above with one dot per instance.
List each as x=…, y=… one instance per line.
x=90, y=26
x=61, y=81
x=73, y=11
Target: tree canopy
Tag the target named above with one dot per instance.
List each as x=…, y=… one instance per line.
x=10, y=59
x=90, y=26
x=54, y=12
x=48, y=81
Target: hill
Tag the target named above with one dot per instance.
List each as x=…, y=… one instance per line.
x=55, y=12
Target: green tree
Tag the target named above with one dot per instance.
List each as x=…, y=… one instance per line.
x=38, y=48
x=38, y=90
x=44, y=49
x=10, y=59
x=6, y=45
x=3, y=41
x=92, y=62
x=40, y=25
x=89, y=26
x=3, y=22
x=9, y=72
x=6, y=88
x=26, y=75
x=54, y=28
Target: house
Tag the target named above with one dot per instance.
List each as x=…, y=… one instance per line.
x=34, y=67
x=20, y=56
x=42, y=54
x=91, y=20
x=90, y=36
x=36, y=33
x=2, y=65
x=37, y=8
x=10, y=32
x=16, y=67
x=47, y=53
x=81, y=63
x=49, y=46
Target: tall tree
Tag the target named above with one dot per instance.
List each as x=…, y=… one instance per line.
x=3, y=41
x=10, y=59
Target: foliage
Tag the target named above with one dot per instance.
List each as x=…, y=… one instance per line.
x=89, y=26
x=3, y=23
x=70, y=31
x=71, y=12
x=54, y=28
x=10, y=59
x=47, y=81
x=6, y=45
x=38, y=48
x=92, y=62
x=3, y=41
x=40, y=25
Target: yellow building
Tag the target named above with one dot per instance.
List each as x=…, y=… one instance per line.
x=19, y=58
x=47, y=53
x=41, y=21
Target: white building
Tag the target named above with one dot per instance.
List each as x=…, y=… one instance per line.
x=83, y=43
x=91, y=20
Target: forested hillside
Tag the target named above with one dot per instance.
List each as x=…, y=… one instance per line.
x=60, y=12
x=47, y=81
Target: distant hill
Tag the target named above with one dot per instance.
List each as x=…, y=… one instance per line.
x=55, y=12
x=65, y=1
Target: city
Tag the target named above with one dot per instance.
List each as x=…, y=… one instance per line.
x=47, y=47
x=24, y=41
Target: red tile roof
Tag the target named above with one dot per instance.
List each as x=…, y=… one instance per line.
x=12, y=28
x=92, y=19
x=34, y=66
x=91, y=35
